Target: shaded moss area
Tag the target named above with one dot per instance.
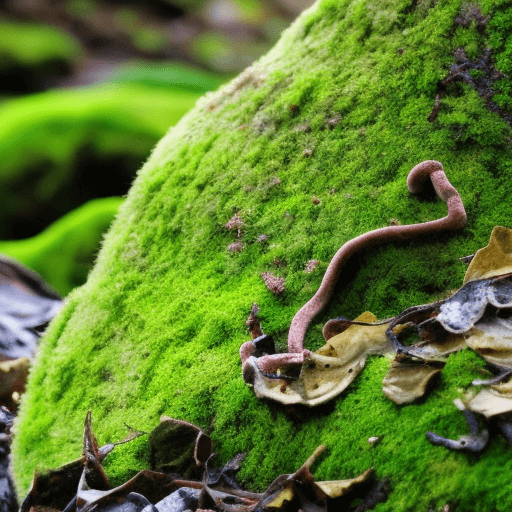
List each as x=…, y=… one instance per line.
x=64, y=253
x=337, y=111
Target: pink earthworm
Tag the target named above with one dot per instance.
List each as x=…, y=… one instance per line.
x=456, y=219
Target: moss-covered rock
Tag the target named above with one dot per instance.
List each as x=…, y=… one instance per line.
x=64, y=253
x=338, y=110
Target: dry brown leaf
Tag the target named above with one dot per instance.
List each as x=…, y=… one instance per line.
x=406, y=382
x=493, y=260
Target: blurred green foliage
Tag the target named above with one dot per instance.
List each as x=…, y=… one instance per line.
x=169, y=75
x=62, y=148
x=64, y=252
x=29, y=44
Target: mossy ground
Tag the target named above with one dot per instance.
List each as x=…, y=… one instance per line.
x=157, y=327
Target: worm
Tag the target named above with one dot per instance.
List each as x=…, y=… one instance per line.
x=456, y=219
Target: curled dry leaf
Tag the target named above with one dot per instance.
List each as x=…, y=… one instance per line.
x=406, y=382
x=179, y=447
x=494, y=400
x=330, y=369
x=57, y=488
x=460, y=312
x=493, y=260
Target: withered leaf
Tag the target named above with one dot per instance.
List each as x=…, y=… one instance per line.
x=405, y=382
x=179, y=447
x=26, y=304
x=301, y=488
x=13, y=377
x=462, y=310
x=225, y=475
x=494, y=400
x=493, y=260
x=56, y=488
x=330, y=369
x=492, y=339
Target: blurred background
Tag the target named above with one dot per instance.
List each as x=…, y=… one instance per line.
x=87, y=88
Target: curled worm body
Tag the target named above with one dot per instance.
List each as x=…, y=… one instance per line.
x=456, y=219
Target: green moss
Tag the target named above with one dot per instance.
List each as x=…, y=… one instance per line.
x=157, y=327
x=64, y=253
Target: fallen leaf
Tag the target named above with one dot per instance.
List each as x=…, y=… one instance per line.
x=179, y=447
x=13, y=377
x=27, y=304
x=56, y=488
x=494, y=400
x=492, y=339
x=406, y=382
x=493, y=260
x=330, y=369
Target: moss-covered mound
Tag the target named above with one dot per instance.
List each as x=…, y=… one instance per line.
x=62, y=148
x=312, y=146
x=64, y=253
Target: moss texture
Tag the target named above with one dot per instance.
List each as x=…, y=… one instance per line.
x=64, y=253
x=157, y=327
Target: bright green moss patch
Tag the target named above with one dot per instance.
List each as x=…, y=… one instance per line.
x=157, y=327
x=64, y=253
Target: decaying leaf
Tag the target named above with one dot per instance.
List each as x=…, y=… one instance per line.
x=405, y=382
x=8, y=501
x=226, y=475
x=27, y=304
x=493, y=260
x=494, y=400
x=330, y=369
x=462, y=310
x=492, y=339
x=152, y=491
x=179, y=447
x=300, y=488
x=13, y=377
x=58, y=487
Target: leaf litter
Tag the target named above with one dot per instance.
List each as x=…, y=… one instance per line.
x=181, y=477
x=27, y=304
x=478, y=316
x=186, y=481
